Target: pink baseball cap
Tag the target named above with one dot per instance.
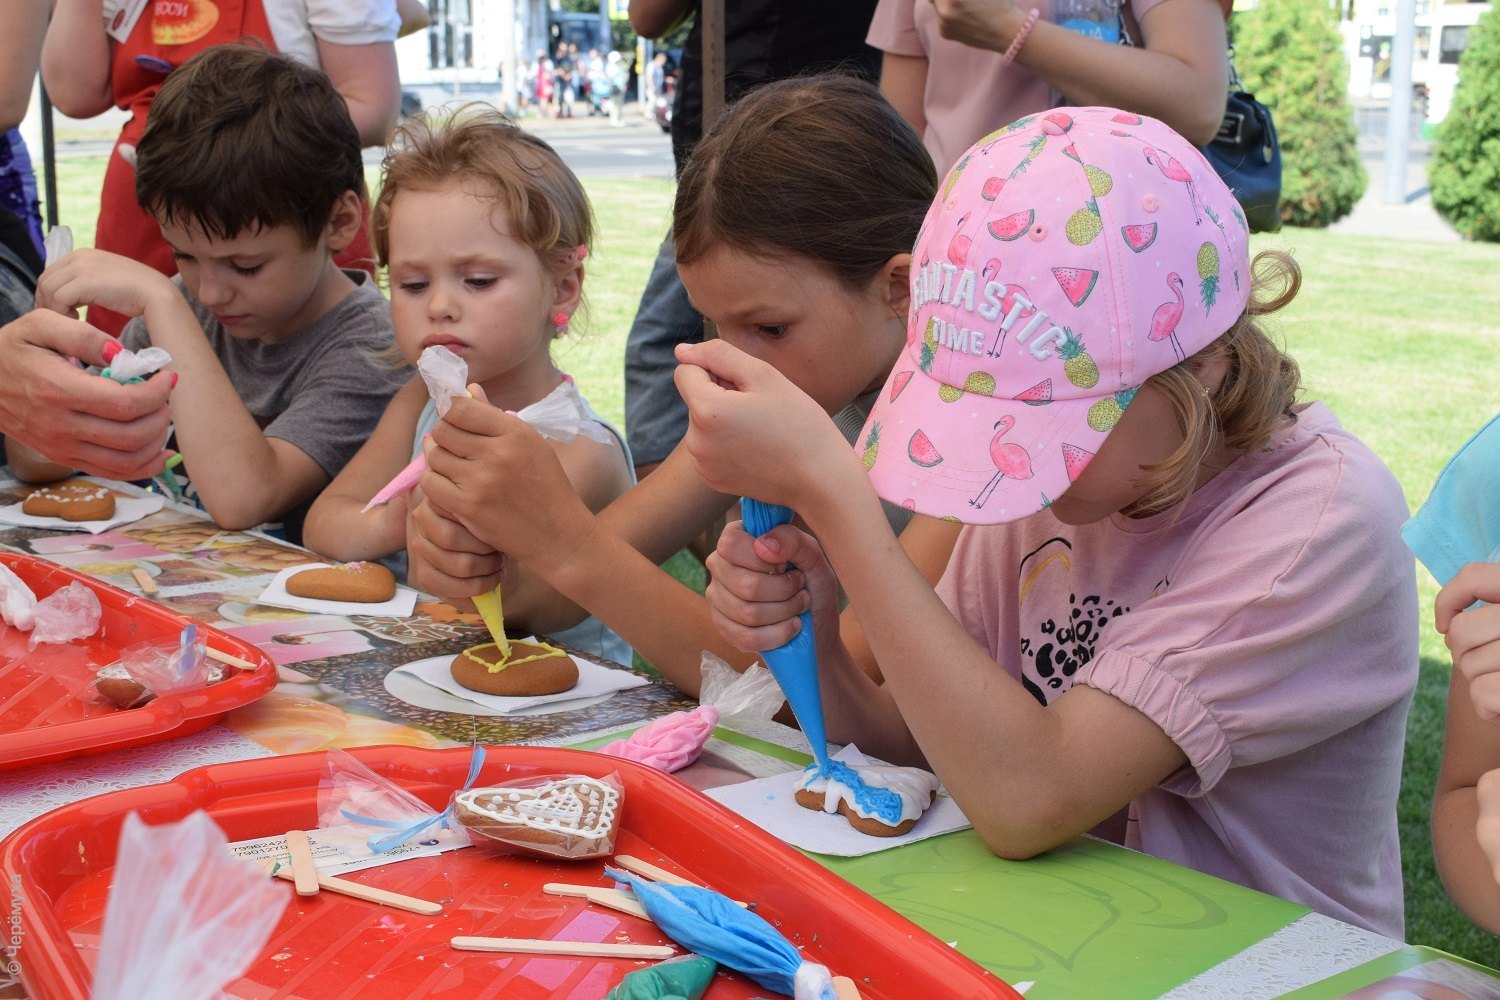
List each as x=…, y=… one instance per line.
x=1068, y=258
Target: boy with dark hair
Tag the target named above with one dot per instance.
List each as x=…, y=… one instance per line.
x=252, y=167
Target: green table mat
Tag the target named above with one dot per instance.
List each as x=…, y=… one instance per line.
x=1087, y=919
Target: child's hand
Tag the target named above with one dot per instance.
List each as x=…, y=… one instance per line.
x=751, y=432
x=502, y=481
x=756, y=588
x=443, y=558
x=1473, y=633
x=94, y=277
x=1488, y=826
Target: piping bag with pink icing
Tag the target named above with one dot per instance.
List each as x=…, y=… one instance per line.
x=794, y=663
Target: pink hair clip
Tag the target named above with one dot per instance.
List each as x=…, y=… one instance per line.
x=583, y=251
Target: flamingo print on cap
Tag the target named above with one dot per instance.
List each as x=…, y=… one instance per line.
x=1172, y=169
x=1164, y=321
x=1011, y=461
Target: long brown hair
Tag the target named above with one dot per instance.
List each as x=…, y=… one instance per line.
x=1255, y=399
x=821, y=167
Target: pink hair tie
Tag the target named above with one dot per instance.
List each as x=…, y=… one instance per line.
x=1020, y=39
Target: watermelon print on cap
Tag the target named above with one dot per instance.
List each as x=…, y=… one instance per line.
x=1010, y=385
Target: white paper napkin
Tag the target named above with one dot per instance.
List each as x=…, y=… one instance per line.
x=770, y=805
x=275, y=594
x=127, y=509
x=593, y=680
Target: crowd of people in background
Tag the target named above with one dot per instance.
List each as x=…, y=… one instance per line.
x=560, y=84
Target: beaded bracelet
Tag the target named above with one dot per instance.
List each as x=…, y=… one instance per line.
x=1020, y=39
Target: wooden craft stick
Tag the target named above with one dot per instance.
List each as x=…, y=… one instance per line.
x=586, y=949
x=614, y=899
x=148, y=585
x=370, y=894
x=646, y=869
x=233, y=661
x=304, y=873
x=844, y=988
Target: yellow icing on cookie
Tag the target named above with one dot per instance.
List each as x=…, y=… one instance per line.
x=547, y=650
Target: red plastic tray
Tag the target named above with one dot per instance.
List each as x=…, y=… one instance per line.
x=42, y=714
x=329, y=946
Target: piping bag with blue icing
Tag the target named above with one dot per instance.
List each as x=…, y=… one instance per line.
x=794, y=664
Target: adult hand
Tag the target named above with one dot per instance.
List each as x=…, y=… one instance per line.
x=982, y=24
x=751, y=432
x=759, y=586
x=89, y=277
x=1473, y=633
x=72, y=417
x=444, y=558
x=494, y=474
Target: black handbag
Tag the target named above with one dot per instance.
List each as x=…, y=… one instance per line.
x=1245, y=152
x=1247, y=156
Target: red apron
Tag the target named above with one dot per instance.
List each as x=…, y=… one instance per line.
x=167, y=34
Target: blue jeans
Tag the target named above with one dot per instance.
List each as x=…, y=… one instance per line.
x=655, y=416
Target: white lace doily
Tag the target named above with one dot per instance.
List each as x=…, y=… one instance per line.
x=1305, y=951
x=30, y=791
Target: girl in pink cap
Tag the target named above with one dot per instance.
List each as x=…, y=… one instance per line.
x=1179, y=611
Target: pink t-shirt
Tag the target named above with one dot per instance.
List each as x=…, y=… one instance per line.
x=970, y=92
x=1270, y=630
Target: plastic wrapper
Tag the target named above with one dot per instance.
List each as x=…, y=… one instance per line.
x=57, y=243
x=376, y=812
x=550, y=816
x=68, y=613
x=17, y=601
x=446, y=375
x=158, y=668
x=134, y=366
x=185, y=917
x=674, y=741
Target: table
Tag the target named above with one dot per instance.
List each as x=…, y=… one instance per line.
x=1088, y=919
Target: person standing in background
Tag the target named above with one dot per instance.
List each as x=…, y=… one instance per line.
x=960, y=69
x=100, y=53
x=23, y=23
x=764, y=40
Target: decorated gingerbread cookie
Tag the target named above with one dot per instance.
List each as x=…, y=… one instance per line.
x=356, y=582
x=532, y=669
x=71, y=502
x=569, y=815
x=878, y=799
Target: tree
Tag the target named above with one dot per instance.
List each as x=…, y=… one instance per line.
x=1290, y=56
x=1465, y=170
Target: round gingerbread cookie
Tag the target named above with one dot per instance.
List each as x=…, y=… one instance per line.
x=71, y=502
x=356, y=582
x=532, y=670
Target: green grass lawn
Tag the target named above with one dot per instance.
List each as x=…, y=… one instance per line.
x=1402, y=340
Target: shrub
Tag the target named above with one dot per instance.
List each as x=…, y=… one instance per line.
x=1465, y=169
x=1290, y=56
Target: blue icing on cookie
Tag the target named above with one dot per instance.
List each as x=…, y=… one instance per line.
x=882, y=803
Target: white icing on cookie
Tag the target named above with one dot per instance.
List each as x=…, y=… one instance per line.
x=577, y=806
x=914, y=786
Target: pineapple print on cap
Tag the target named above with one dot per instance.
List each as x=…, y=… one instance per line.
x=1105, y=413
x=1077, y=364
x=980, y=383
x=1084, y=224
x=1208, y=275
x=872, y=448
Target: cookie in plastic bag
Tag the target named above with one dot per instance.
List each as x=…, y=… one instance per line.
x=554, y=816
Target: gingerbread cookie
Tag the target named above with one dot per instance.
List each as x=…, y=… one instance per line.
x=356, y=582
x=570, y=815
x=71, y=502
x=116, y=686
x=533, y=669
x=878, y=799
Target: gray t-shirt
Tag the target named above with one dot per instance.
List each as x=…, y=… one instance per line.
x=322, y=390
